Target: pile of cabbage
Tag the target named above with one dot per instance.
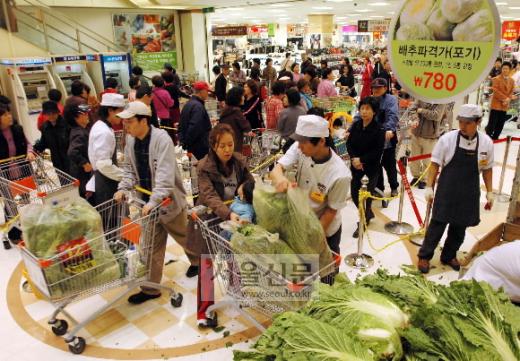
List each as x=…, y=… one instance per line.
x=68, y=241
x=395, y=317
x=446, y=20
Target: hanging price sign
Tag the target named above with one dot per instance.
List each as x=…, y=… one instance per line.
x=441, y=50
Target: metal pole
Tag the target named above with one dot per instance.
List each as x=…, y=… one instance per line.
x=504, y=198
x=418, y=238
x=399, y=227
x=359, y=260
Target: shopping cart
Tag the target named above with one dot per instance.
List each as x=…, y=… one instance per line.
x=229, y=272
x=260, y=146
x=120, y=136
x=23, y=182
x=187, y=165
x=122, y=256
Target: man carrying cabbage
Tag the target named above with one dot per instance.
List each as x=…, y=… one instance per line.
x=320, y=171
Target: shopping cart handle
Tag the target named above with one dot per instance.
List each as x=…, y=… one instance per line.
x=165, y=202
x=7, y=160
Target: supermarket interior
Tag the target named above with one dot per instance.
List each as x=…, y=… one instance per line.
x=260, y=180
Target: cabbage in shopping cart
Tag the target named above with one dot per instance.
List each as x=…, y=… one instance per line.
x=69, y=237
x=291, y=216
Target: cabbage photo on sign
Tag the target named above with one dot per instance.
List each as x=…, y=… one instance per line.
x=441, y=50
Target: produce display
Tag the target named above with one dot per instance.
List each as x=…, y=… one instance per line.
x=69, y=238
x=446, y=20
x=291, y=216
x=395, y=317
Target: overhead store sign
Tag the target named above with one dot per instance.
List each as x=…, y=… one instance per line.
x=26, y=61
x=349, y=29
x=70, y=59
x=114, y=58
x=381, y=26
x=510, y=30
x=442, y=50
x=229, y=31
x=271, y=30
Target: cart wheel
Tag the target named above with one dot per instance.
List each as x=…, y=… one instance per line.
x=26, y=286
x=60, y=327
x=77, y=346
x=177, y=301
x=7, y=245
x=213, y=322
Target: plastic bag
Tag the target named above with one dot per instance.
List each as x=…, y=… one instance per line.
x=70, y=237
x=291, y=216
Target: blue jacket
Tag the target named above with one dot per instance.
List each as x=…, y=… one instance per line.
x=244, y=210
x=194, y=128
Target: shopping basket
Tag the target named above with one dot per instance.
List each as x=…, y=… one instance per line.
x=232, y=280
x=86, y=267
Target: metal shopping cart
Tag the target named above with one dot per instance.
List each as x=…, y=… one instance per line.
x=23, y=182
x=234, y=283
x=187, y=164
x=122, y=256
x=260, y=147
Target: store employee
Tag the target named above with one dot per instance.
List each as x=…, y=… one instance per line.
x=461, y=155
x=320, y=171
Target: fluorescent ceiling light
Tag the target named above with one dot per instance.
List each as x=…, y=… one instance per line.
x=235, y=14
x=280, y=5
x=234, y=9
x=339, y=1
x=376, y=16
x=322, y=7
x=501, y=4
x=277, y=10
x=364, y=10
x=514, y=7
x=379, y=4
x=506, y=17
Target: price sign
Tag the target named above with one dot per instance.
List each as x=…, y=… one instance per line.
x=442, y=50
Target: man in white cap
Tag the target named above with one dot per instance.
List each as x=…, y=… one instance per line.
x=102, y=151
x=320, y=171
x=460, y=155
x=150, y=163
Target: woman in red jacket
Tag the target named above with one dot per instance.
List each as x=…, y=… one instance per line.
x=162, y=101
x=366, y=91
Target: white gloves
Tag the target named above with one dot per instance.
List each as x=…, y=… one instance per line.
x=428, y=194
x=490, y=197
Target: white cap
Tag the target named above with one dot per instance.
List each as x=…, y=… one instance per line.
x=113, y=100
x=135, y=108
x=284, y=78
x=310, y=126
x=470, y=112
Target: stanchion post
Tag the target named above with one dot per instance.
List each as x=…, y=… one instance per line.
x=504, y=198
x=360, y=260
x=400, y=227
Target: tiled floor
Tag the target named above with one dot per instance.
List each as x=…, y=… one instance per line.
x=156, y=330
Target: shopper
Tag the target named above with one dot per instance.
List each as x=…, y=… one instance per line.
x=54, y=95
x=306, y=64
x=269, y=73
x=252, y=108
x=232, y=115
x=460, y=156
x=378, y=67
x=102, y=151
x=365, y=145
x=323, y=65
x=162, y=101
x=152, y=165
x=145, y=95
x=176, y=79
x=287, y=62
x=497, y=69
x=321, y=172
x=388, y=118
x=13, y=143
x=237, y=76
x=78, y=94
x=503, y=87
x=221, y=85
x=138, y=72
x=289, y=117
x=111, y=85
x=175, y=94
x=311, y=77
x=347, y=81
x=77, y=116
x=256, y=64
x=195, y=124
x=367, y=78
x=385, y=73
x=134, y=84
x=426, y=130
x=326, y=88
x=305, y=94
x=295, y=70
x=55, y=134
x=220, y=173
x=274, y=105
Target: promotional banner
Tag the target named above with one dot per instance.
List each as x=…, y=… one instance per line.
x=149, y=37
x=441, y=50
x=510, y=30
x=229, y=30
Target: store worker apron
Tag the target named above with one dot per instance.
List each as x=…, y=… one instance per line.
x=105, y=187
x=457, y=199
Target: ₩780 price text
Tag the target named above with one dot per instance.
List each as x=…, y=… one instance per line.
x=437, y=81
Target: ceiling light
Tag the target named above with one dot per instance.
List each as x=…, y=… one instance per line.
x=322, y=7
x=364, y=10
x=499, y=4
x=234, y=9
x=339, y=1
x=376, y=16
x=280, y=5
x=506, y=17
x=277, y=10
x=514, y=7
x=379, y=4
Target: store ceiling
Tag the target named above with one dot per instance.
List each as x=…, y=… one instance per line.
x=296, y=11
